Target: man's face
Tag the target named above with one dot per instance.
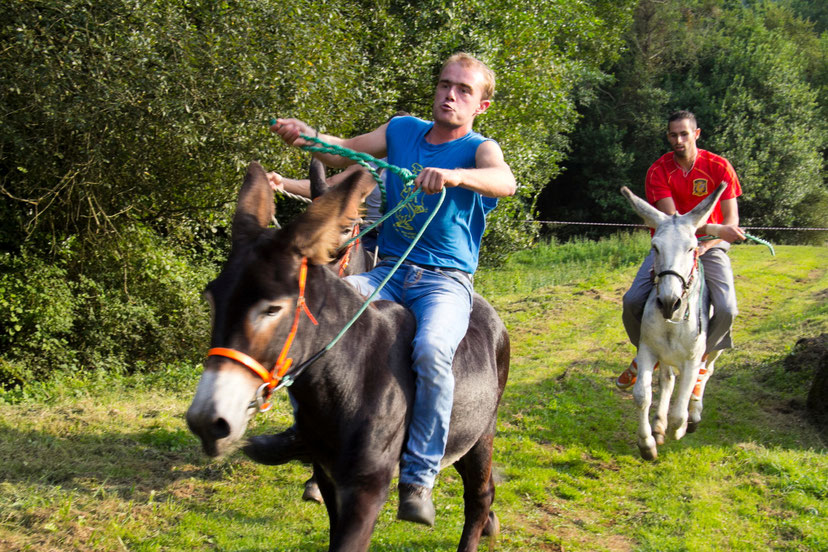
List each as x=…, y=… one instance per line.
x=459, y=96
x=682, y=135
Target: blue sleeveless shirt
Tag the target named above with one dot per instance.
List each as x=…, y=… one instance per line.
x=452, y=240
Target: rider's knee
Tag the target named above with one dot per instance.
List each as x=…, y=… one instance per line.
x=633, y=303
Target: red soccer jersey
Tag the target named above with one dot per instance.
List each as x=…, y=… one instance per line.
x=666, y=179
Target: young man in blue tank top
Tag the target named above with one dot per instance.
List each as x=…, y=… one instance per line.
x=435, y=283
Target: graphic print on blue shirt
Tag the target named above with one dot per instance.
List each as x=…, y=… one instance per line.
x=452, y=240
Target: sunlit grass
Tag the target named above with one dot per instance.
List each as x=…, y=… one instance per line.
x=105, y=462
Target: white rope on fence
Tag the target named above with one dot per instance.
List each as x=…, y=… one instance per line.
x=578, y=223
x=294, y=196
x=617, y=224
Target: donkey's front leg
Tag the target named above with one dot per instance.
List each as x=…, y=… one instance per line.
x=667, y=381
x=678, y=413
x=359, y=502
x=643, y=395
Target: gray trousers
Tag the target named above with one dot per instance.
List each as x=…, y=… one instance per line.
x=718, y=277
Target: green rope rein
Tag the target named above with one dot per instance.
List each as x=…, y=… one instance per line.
x=748, y=236
x=366, y=161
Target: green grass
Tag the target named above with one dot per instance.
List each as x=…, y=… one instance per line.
x=106, y=462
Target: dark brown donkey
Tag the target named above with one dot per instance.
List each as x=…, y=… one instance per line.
x=354, y=402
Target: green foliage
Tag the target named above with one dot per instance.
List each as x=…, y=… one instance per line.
x=36, y=316
x=755, y=77
x=147, y=311
x=127, y=126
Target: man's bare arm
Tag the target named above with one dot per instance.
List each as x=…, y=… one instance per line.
x=492, y=176
x=729, y=229
x=302, y=186
x=373, y=143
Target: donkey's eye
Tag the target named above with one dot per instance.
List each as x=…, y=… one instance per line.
x=272, y=310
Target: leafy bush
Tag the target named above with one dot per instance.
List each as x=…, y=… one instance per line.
x=36, y=317
x=141, y=308
x=127, y=126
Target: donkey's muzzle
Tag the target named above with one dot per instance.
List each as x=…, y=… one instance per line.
x=209, y=430
x=668, y=308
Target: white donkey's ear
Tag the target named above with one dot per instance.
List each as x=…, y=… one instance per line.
x=700, y=213
x=652, y=216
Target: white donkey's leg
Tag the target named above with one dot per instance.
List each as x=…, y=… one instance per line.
x=643, y=395
x=689, y=372
x=666, y=380
x=697, y=399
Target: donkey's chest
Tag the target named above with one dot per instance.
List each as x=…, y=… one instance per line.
x=671, y=339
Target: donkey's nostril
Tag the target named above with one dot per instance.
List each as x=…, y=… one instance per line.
x=219, y=429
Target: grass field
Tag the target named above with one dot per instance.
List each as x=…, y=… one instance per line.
x=105, y=462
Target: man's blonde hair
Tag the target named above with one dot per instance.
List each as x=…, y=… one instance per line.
x=469, y=61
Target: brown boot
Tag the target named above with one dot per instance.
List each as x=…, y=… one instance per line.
x=415, y=504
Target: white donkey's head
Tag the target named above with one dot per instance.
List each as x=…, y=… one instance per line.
x=674, y=246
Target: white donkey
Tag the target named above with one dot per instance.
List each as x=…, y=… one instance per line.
x=674, y=324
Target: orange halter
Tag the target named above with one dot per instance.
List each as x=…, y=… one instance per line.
x=343, y=264
x=273, y=377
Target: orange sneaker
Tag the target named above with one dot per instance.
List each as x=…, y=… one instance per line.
x=628, y=376
x=697, y=390
x=703, y=375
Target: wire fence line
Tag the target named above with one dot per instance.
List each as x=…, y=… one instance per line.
x=616, y=224
x=627, y=225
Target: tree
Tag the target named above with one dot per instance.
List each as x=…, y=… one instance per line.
x=126, y=126
x=754, y=90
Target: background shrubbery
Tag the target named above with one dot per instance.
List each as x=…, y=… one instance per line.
x=126, y=126
x=756, y=77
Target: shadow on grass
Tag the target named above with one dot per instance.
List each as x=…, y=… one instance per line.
x=232, y=501
x=582, y=408
x=127, y=464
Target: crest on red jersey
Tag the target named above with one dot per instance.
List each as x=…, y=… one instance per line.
x=700, y=187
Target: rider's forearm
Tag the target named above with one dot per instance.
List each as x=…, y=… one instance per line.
x=488, y=181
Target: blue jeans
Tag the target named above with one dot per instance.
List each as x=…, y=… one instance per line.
x=441, y=301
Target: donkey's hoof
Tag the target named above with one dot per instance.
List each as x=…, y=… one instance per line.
x=312, y=492
x=692, y=426
x=648, y=453
x=280, y=448
x=492, y=527
x=659, y=438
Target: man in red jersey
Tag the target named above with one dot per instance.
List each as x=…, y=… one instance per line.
x=676, y=183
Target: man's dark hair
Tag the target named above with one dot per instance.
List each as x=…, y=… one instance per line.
x=681, y=115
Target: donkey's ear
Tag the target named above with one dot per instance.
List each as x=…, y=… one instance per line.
x=316, y=173
x=652, y=216
x=700, y=213
x=255, y=209
x=317, y=232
